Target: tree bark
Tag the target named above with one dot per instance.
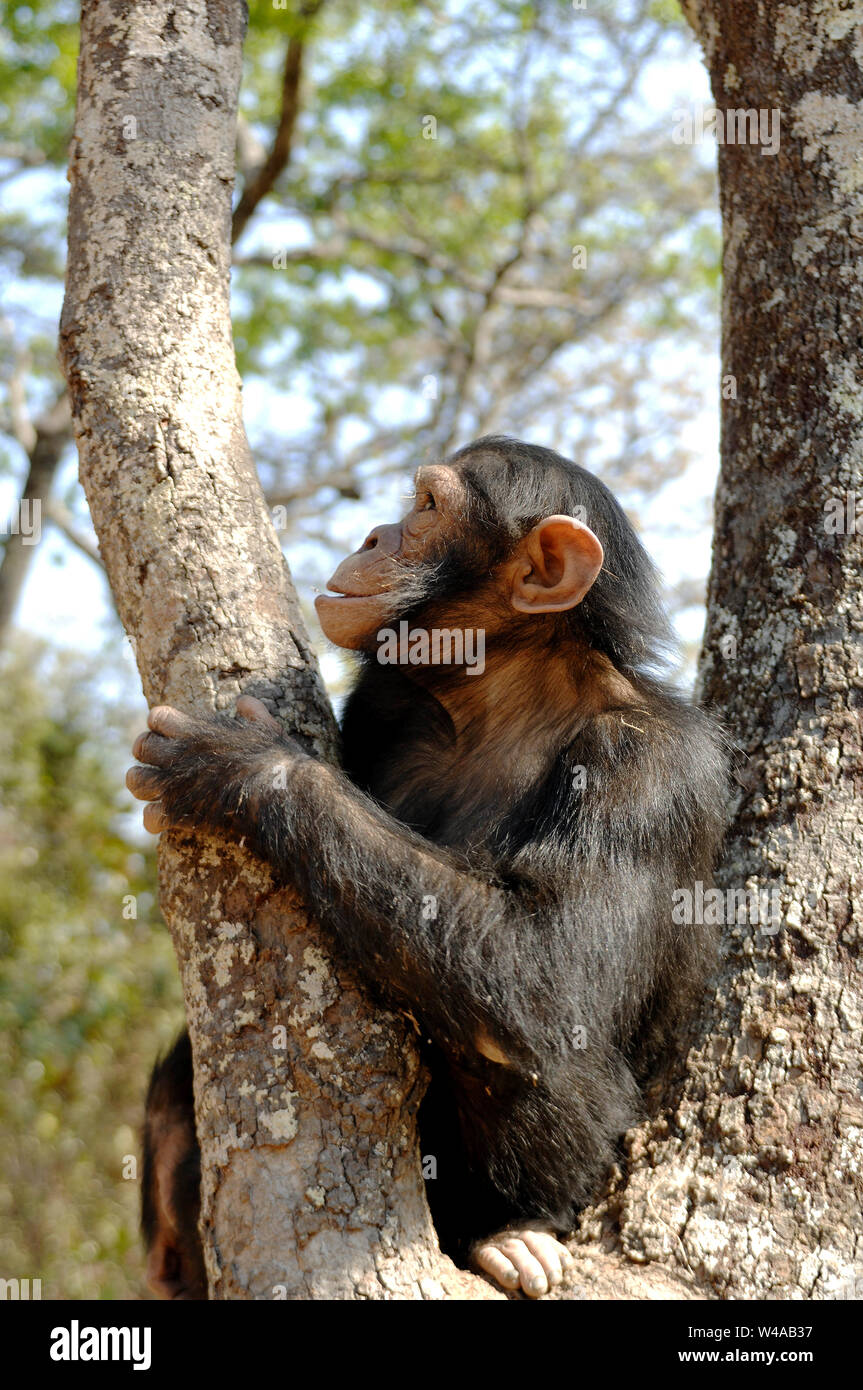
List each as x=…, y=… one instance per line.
x=311, y=1181
x=748, y=1185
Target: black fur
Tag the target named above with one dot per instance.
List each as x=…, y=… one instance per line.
x=170, y=1111
x=553, y=899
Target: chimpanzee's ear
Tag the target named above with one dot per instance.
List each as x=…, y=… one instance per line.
x=555, y=566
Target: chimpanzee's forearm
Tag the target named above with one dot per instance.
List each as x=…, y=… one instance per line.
x=403, y=910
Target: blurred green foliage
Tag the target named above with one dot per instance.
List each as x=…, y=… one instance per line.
x=89, y=990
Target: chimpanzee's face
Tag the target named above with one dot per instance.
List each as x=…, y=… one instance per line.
x=440, y=554
x=370, y=586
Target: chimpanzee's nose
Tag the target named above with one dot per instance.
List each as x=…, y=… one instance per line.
x=385, y=539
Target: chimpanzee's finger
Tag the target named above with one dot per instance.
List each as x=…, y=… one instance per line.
x=155, y=819
x=548, y=1251
x=164, y=719
x=530, y=1272
x=492, y=1261
x=249, y=707
x=154, y=749
x=145, y=783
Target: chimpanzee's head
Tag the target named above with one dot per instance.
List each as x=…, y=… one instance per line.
x=508, y=536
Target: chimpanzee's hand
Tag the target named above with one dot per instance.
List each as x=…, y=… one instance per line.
x=527, y=1257
x=210, y=770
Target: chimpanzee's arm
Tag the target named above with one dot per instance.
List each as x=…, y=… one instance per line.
x=400, y=907
x=480, y=958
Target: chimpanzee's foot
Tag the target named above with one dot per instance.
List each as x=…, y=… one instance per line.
x=523, y=1257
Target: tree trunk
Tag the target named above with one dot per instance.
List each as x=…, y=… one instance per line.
x=749, y=1183
x=311, y=1182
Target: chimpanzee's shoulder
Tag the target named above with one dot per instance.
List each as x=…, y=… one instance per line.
x=664, y=742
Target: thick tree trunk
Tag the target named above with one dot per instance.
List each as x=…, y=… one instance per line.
x=305, y=1098
x=749, y=1184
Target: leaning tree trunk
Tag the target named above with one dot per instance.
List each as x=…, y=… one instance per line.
x=305, y=1097
x=749, y=1184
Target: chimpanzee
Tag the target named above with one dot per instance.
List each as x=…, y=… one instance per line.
x=171, y=1180
x=546, y=800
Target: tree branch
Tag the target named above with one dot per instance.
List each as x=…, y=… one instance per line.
x=60, y=516
x=279, y=156
x=49, y=435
